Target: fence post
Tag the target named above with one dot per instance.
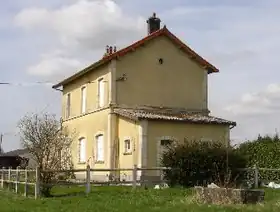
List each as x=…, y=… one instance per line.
x=17, y=179
x=88, y=180
x=134, y=175
x=256, y=170
x=9, y=179
x=37, y=183
x=25, y=182
x=3, y=176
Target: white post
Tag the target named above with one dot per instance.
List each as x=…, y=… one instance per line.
x=9, y=179
x=3, y=176
x=37, y=183
x=26, y=181
x=88, y=180
x=17, y=179
x=134, y=175
x=256, y=172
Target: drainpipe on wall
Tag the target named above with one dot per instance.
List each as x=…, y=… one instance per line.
x=112, y=119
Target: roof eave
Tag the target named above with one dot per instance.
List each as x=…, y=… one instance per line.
x=80, y=73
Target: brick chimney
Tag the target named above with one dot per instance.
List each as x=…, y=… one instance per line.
x=153, y=24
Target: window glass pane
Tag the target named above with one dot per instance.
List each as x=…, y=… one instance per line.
x=127, y=145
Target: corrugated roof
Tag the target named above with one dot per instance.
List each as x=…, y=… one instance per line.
x=15, y=152
x=164, y=31
x=169, y=115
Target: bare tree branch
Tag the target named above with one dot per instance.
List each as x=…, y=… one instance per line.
x=49, y=142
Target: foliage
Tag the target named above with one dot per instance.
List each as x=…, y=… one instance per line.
x=48, y=141
x=196, y=163
x=124, y=199
x=265, y=153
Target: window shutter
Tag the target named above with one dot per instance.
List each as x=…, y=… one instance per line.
x=101, y=93
x=84, y=96
x=100, y=148
x=82, y=150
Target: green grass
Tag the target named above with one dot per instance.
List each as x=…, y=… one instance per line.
x=125, y=199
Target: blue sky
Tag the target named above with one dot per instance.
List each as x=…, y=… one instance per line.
x=49, y=40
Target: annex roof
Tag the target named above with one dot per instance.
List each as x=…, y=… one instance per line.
x=169, y=115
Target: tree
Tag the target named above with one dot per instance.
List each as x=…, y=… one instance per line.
x=265, y=153
x=49, y=142
x=199, y=162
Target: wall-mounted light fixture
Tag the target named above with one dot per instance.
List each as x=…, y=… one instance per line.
x=122, y=78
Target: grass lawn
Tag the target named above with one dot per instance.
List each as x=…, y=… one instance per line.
x=125, y=199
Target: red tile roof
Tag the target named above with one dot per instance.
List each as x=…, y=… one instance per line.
x=169, y=115
x=164, y=31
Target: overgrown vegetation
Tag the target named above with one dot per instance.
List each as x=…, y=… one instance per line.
x=120, y=199
x=49, y=142
x=197, y=163
x=263, y=152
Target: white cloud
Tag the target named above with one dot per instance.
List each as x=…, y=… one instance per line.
x=92, y=24
x=83, y=28
x=262, y=103
x=53, y=64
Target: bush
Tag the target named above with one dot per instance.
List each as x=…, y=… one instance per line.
x=265, y=153
x=197, y=163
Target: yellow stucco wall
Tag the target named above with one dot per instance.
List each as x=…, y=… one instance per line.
x=179, y=131
x=128, y=129
x=90, y=81
x=178, y=82
x=94, y=121
x=89, y=126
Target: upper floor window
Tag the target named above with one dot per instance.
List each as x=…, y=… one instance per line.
x=68, y=105
x=82, y=150
x=83, y=99
x=100, y=148
x=101, y=92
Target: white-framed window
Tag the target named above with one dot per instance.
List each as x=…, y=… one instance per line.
x=68, y=105
x=127, y=145
x=82, y=150
x=100, y=148
x=101, y=92
x=83, y=99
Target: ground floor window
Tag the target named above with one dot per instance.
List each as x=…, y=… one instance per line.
x=82, y=150
x=100, y=148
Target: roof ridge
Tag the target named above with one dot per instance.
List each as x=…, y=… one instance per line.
x=163, y=31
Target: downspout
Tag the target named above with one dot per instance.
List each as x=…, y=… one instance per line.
x=112, y=119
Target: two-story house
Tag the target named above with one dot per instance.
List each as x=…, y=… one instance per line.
x=129, y=104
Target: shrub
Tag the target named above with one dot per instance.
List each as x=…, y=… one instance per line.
x=197, y=163
x=265, y=153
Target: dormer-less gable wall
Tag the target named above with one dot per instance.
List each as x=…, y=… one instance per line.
x=160, y=74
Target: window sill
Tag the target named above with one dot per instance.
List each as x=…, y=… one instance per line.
x=99, y=162
x=127, y=153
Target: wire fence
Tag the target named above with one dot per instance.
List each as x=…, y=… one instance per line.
x=27, y=181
